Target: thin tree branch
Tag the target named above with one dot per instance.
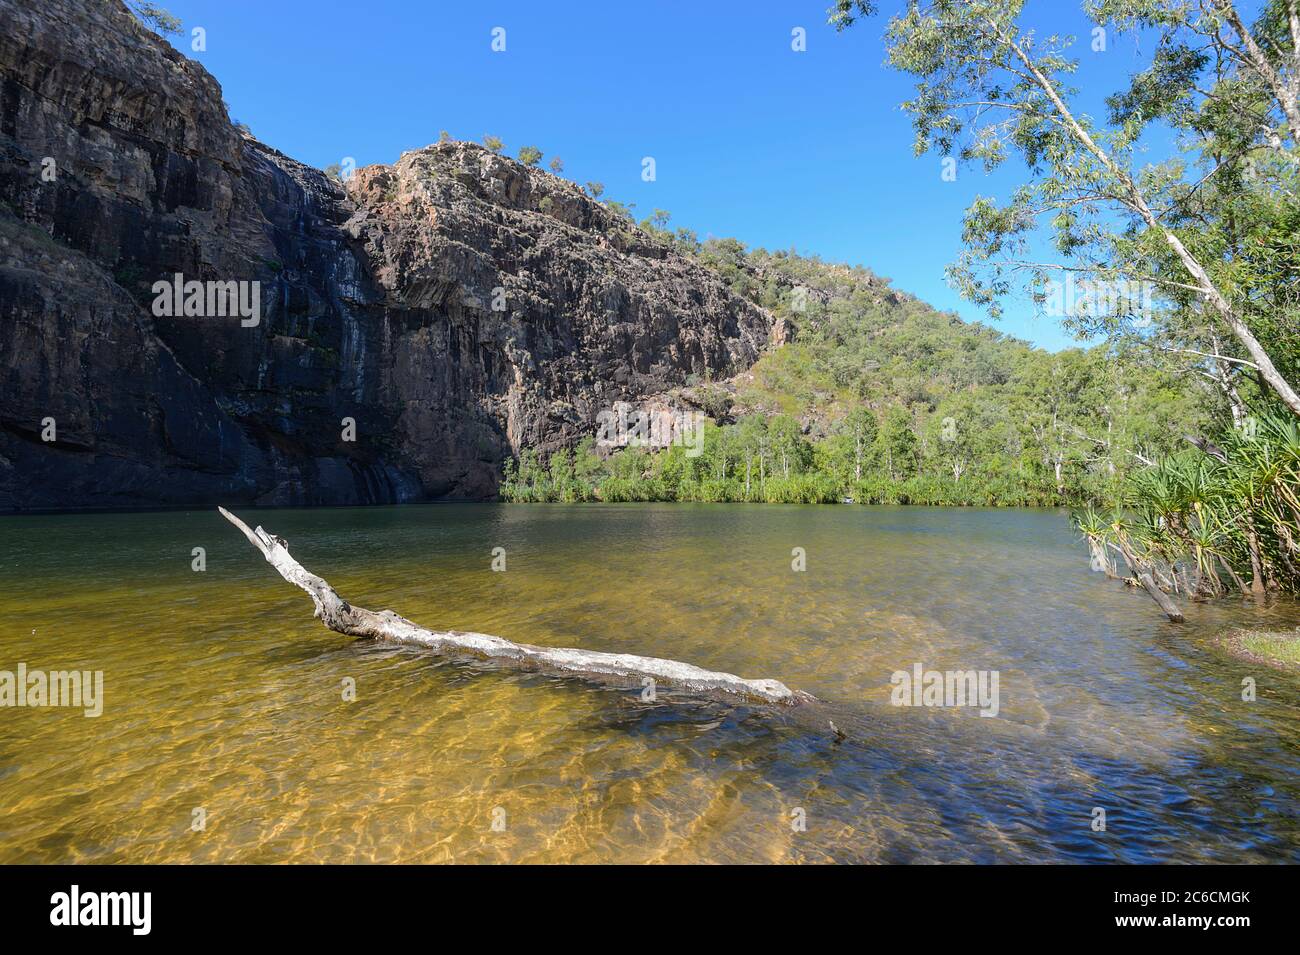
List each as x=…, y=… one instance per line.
x=1193, y=351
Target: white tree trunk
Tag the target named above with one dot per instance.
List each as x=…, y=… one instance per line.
x=340, y=616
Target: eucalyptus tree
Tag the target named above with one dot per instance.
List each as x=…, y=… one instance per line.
x=1209, y=228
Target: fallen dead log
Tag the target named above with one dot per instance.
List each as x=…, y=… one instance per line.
x=1144, y=577
x=342, y=617
x=1161, y=598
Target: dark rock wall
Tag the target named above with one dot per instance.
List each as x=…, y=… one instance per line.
x=376, y=298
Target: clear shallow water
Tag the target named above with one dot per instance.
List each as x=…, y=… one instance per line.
x=223, y=693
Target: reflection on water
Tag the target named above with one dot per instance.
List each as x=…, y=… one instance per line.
x=223, y=694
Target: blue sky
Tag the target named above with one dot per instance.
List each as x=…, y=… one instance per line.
x=750, y=138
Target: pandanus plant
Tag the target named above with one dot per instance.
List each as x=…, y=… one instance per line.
x=1206, y=535
x=1096, y=531
x=1234, y=508
x=1280, y=500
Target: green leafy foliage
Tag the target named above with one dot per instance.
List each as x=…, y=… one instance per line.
x=1202, y=222
x=879, y=398
x=156, y=18
x=1210, y=521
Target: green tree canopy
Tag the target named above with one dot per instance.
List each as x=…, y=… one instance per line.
x=156, y=18
x=1188, y=251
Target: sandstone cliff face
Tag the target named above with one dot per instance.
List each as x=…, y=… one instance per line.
x=456, y=305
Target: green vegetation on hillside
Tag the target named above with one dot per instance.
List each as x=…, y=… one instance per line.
x=879, y=398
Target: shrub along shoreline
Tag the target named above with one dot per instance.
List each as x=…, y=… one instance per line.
x=1210, y=521
x=762, y=463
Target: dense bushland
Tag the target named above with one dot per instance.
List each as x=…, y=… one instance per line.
x=879, y=398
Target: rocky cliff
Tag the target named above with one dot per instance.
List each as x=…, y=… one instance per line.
x=414, y=326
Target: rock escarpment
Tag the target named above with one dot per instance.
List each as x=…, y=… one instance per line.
x=452, y=308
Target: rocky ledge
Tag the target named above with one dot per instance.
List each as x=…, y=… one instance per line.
x=414, y=325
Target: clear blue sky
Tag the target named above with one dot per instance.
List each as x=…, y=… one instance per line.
x=751, y=139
